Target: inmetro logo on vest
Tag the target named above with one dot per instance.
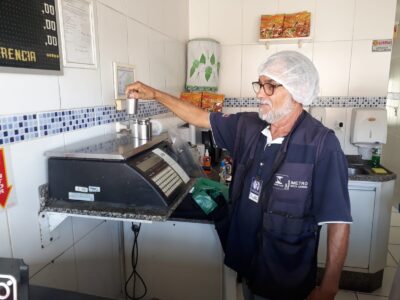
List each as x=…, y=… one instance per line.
x=283, y=182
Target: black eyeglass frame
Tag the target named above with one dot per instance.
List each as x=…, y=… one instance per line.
x=258, y=85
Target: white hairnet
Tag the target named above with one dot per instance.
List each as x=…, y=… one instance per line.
x=295, y=72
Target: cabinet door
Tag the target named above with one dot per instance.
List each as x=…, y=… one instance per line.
x=362, y=210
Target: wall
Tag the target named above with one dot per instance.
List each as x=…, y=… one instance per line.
x=85, y=258
x=393, y=105
x=351, y=75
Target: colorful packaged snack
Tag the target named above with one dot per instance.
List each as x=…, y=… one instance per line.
x=212, y=102
x=192, y=98
x=271, y=26
x=296, y=25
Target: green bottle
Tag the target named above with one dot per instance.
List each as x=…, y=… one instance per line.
x=376, y=156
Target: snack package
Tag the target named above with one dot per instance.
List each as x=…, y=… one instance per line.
x=271, y=26
x=296, y=25
x=192, y=98
x=212, y=102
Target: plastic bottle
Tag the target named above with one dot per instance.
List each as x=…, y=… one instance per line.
x=222, y=172
x=207, y=162
x=376, y=156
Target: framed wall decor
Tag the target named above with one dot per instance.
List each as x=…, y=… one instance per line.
x=78, y=33
x=124, y=74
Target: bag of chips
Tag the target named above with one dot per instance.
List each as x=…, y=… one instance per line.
x=271, y=26
x=192, y=98
x=212, y=102
x=296, y=25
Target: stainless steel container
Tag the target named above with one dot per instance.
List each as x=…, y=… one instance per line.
x=143, y=130
x=132, y=106
x=149, y=128
x=135, y=128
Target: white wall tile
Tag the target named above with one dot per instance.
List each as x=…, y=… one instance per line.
x=82, y=135
x=22, y=93
x=138, y=50
x=252, y=11
x=332, y=60
x=327, y=26
x=369, y=71
x=138, y=10
x=349, y=148
x=80, y=88
x=183, y=17
x=171, y=64
x=225, y=21
x=198, y=18
x=82, y=227
x=23, y=217
x=181, y=66
x=113, y=47
x=172, y=18
x=305, y=48
x=158, y=66
x=5, y=245
x=118, y=5
x=58, y=274
x=98, y=269
x=335, y=116
x=252, y=57
x=157, y=14
x=230, y=78
x=374, y=19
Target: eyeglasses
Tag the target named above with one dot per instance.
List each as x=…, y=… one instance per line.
x=269, y=88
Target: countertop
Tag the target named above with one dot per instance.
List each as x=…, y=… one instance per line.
x=355, y=161
x=107, y=210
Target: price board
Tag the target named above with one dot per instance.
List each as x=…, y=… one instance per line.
x=28, y=34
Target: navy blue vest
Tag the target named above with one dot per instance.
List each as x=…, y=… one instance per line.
x=284, y=265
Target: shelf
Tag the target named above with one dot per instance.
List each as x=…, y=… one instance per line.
x=298, y=40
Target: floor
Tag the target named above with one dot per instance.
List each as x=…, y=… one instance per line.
x=392, y=260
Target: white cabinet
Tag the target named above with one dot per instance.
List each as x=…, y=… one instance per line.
x=362, y=209
x=371, y=211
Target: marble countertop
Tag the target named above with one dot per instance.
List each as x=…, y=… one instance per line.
x=108, y=210
x=355, y=161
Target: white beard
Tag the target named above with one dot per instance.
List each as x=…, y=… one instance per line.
x=275, y=115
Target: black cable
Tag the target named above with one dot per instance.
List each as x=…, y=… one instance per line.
x=134, y=261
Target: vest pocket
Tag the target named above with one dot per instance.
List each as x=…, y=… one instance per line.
x=285, y=261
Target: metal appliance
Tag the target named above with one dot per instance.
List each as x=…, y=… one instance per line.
x=118, y=171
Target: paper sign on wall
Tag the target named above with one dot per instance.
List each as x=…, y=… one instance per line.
x=5, y=189
x=382, y=45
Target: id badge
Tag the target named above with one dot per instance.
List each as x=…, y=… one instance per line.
x=255, y=189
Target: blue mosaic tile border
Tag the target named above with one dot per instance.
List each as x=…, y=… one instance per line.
x=320, y=102
x=16, y=128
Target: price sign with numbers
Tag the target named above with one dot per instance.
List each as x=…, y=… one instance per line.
x=28, y=34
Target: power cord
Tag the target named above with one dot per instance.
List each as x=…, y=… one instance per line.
x=134, y=261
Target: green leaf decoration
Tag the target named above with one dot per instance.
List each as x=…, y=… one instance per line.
x=195, y=65
x=208, y=73
x=212, y=59
x=192, y=70
x=218, y=66
x=203, y=59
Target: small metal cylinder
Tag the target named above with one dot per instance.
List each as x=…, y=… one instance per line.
x=143, y=135
x=149, y=129
x=132, y=106
x=135, y=128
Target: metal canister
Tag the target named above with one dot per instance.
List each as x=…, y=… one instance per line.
x=149, y=128
x=135, y=128
x=143, y=135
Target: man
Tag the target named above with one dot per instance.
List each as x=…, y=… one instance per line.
x=271, y=235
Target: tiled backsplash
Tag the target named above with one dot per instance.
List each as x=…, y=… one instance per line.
x=320, y=102
x=16, y=128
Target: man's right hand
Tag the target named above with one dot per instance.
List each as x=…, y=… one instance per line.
x=139, y=90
